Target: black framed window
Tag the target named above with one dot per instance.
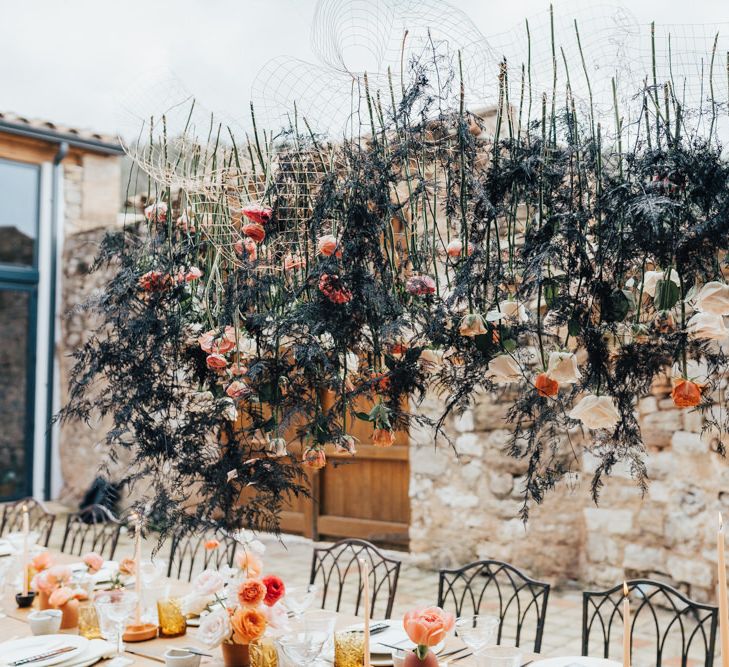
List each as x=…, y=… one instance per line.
x=19, y=234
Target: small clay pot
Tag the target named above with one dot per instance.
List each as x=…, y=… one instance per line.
x=70, y=615
x=43, y=601
x=24, y=601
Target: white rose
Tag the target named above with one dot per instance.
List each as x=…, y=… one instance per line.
x=214, y=627
x=562, y=367
x=194, y=604
x=208, y=582
x=707, y=325
x=509, y=310
x=651, y=278
x=713, y=298
x=504, y=369
x=596, y=412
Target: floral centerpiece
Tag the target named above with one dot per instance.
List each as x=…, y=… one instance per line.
x=237, y=606
x=56, y=590
x=426, y=628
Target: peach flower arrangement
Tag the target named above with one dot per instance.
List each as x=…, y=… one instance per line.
x=426, y=628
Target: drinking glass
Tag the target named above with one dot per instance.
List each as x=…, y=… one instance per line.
x=349, y=648
x=299, y=598
x=498, y=656
x=305, y=643
x=263, y=653
x=172, y=622
x=88, y=621
x=477, y=632
x=118, y=606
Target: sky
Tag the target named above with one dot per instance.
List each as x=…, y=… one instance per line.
x=74, y=61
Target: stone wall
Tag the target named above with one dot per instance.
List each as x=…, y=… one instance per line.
x=465, y=504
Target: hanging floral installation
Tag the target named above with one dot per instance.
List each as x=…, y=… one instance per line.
x=285, y=285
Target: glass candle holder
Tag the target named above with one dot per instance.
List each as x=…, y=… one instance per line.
x=263, y=653
x=348, y=648
x=88, y=621
x=172, y=622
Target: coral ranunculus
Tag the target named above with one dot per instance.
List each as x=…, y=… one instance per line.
x=258, y=214
x=248, y=624
x=254, y=231
x=251, y=592
x=546, y=386
x=428, y=626
x=275, y=590
x=383, y=437
x=686, y=394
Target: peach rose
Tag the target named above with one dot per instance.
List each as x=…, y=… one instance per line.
x=251, y=592
x=250, y=563
x=314, y=458
x=429, y=626
x=41, y=583
x=328, y=245
x=41, y=562
x=212, y=544
x=93, y=561
x=248, y=624
x=216, y=361
x=383, y=437
x=60, y=596
x=127, y=566
x=215, y=343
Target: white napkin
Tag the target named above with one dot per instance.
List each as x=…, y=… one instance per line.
x=96, y=649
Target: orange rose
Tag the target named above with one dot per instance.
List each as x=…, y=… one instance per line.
x=546, y=386
x=686, y=394
x=383, y=437
x=251, y=592
x=248, y=624
x=429, y=626
x=212, y=544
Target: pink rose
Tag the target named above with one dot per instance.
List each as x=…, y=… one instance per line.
x=216, y=361
x=428, y=626
x=93, y=561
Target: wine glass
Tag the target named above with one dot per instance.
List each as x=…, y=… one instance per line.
x=152, y=572
x=477, y=632
x=117, y=606
x=305, y=644
x=299, y=598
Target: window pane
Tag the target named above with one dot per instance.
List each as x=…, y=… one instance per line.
x=14, y=408
x=18, y=212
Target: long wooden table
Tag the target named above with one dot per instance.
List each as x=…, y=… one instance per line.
x=15, y=625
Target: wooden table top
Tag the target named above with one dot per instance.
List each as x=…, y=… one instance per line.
x=15, y=625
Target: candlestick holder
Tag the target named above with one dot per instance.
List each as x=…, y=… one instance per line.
x=140, y=632
x=24, y=601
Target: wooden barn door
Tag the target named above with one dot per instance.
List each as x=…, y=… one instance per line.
x=363, y=496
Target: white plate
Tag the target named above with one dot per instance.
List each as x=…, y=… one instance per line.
x=575, y=661
x=27, y=647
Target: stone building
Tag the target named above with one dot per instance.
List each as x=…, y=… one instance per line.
x=59, y=189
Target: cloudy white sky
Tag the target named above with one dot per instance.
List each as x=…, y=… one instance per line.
x=72, y=61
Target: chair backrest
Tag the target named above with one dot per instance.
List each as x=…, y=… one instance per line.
x=340, y=573
x=93, y=528
x=40, y=519
x=660, y=616
x=189, y=556
x=499, y=589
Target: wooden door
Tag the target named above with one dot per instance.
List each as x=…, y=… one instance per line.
x=364, y=496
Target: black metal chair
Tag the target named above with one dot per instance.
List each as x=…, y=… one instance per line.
x=495, y=587
x=677, y=624
x=93, y=528
x=40, y=519
x=188, y=555
x=340, y=570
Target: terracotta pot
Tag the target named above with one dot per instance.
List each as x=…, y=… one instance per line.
x=429, y=660
x=70, y=615
x=43, y=600
x=235, y=655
